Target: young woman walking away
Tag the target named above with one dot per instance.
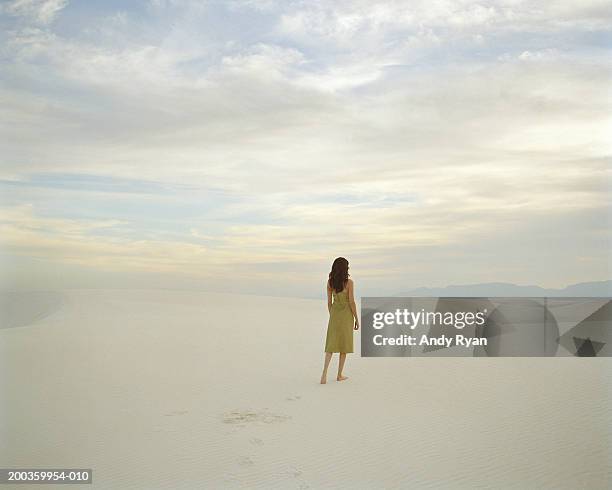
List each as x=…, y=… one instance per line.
x=342, y=316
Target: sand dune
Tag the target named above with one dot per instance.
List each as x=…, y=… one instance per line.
x=174, y=389
x=19, y=309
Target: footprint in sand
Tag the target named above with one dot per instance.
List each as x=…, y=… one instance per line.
x=295, y=472
x=245, y=461
x=293, y=398
x=242, y=418
x=173, y=413
x=256, y=441
x=230, y=478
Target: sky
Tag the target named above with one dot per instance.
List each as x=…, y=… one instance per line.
x=242, y=145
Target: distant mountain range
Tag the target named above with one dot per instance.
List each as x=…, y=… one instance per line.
x=504, y=289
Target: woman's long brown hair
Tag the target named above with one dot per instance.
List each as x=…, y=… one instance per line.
x=339, y=274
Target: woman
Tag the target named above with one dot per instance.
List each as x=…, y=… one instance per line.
x=342, y=316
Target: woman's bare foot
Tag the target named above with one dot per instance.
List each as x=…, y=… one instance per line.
x=323, y=380
x=341, y=378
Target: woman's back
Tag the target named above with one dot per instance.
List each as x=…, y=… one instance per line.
x=341, y=297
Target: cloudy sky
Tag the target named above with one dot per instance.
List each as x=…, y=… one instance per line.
x=241, y=145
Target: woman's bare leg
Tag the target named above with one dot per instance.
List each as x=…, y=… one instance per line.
x=341, y=367
x=328, y=356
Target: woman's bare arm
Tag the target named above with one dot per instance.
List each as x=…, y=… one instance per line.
x=329, y=298
x=352, y=302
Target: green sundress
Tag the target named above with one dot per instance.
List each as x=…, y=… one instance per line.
x=340, y=325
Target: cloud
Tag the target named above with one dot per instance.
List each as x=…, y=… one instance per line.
x=39, y=11
x=299, y=130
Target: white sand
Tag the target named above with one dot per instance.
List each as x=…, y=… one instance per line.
x=175, y=389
